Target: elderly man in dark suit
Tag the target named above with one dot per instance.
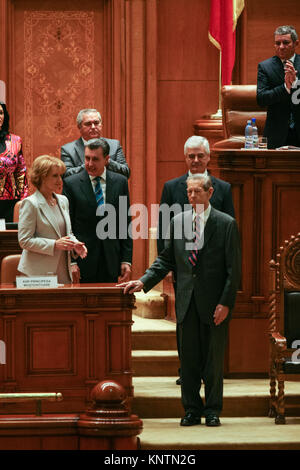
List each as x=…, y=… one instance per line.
x=208, y=273
x=277, y=88
x=174, y=194
x=89, y=123
x=99, y=208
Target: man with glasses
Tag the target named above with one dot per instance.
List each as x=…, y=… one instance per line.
x=89, y=123
x=197, y=157
x=278, y=90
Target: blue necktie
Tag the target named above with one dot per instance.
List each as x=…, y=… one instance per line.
x=99, y=192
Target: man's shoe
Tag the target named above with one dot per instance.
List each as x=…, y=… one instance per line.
x=190, y=420
x=212, y=420
x=178, y=381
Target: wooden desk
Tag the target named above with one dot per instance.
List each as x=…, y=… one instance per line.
x=9, y=244
x=64, y=340
x=266, y=194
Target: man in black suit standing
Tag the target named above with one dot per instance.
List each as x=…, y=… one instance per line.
x=174, y=193
x=99, y=208
x=277, y=88
x=89, y=123
x=208, y=273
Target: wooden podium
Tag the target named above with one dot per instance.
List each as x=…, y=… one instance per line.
x=64, y=340
x=266, y=194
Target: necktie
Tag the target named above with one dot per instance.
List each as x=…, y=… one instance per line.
x=194, y=253
x=99, y=192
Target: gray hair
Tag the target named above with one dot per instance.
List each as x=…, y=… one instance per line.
x=207, y=183
x=94, y=144
x=196, y=141
x=86, y=111
x=281, y=30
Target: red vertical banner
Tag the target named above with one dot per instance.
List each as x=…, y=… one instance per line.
x=222, y=25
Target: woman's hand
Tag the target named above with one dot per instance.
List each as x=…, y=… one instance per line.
x=80, y=249
x=64, y=244
x=75, y=274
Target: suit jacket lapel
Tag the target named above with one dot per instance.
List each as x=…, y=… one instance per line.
x=79, y=150
x=65, y=215
x=48, y=213
x=87, y=188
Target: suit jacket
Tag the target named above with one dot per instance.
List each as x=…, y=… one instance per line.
x=215, y=278
x=271, y=93
x=72, y=154
x=78, y=188
x=37, y=232
x=175, y=191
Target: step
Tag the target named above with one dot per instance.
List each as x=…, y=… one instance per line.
x=153, y=334
x=154, y=363
x=150, y=305
x=235, y=433
x=160, y=397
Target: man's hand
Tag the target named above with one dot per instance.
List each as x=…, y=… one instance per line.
x=131, y=286
x=220, y=314
x=170, y=277
x=125, y=272
x=290, y=74
x=75, y=273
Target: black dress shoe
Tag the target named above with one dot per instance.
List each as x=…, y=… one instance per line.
x=212, y=420
x=178, y=381
x=190, y=420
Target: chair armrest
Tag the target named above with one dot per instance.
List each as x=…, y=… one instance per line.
x=278, y=341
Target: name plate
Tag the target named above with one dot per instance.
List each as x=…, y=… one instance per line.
x=36, y=282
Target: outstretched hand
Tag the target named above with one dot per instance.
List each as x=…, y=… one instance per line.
x=131, y=286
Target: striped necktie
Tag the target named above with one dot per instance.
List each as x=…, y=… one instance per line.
x=99, y=192
x=194, y=253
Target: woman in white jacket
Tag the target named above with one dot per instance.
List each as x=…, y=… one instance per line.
x=44, y=229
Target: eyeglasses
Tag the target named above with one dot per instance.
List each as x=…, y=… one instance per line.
x=192, y=156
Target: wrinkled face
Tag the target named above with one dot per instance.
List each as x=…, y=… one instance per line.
x=1, y=116
x=198, y=197
x=197, y=159
x=90, y=127
x=52, y=183
x=95, y=162
x=285, y=47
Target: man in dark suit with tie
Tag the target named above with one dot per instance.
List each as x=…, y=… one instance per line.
x=174, y=193
x=277, y=88
x=208, y=274
x=89, y=123
x=99, y=205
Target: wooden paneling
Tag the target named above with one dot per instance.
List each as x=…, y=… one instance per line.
x=261, y=20
x=65, y=340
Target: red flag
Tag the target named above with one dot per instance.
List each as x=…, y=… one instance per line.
x=223, y=19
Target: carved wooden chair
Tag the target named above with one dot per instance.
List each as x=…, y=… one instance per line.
x=284, y=326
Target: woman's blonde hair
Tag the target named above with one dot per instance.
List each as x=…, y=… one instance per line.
x=41, y=167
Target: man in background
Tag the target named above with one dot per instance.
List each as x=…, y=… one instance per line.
x=277, y=84
x=89, y=123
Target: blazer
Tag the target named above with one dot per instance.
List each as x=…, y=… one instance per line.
x=72, y=154
x=78, y=188
x=175, y=191
x=37, y=232
x=215, y=278
x=271, y=93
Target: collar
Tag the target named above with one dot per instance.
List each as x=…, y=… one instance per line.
x=292, y=59
x=204, y=174
x=203, y=215
x=102, y=177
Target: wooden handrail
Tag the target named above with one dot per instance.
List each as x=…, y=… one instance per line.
x=38, y=397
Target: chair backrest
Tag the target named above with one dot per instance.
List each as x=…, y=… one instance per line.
x=9, y=268
x=286, y=283
x=16, y=211
x=238, y=105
